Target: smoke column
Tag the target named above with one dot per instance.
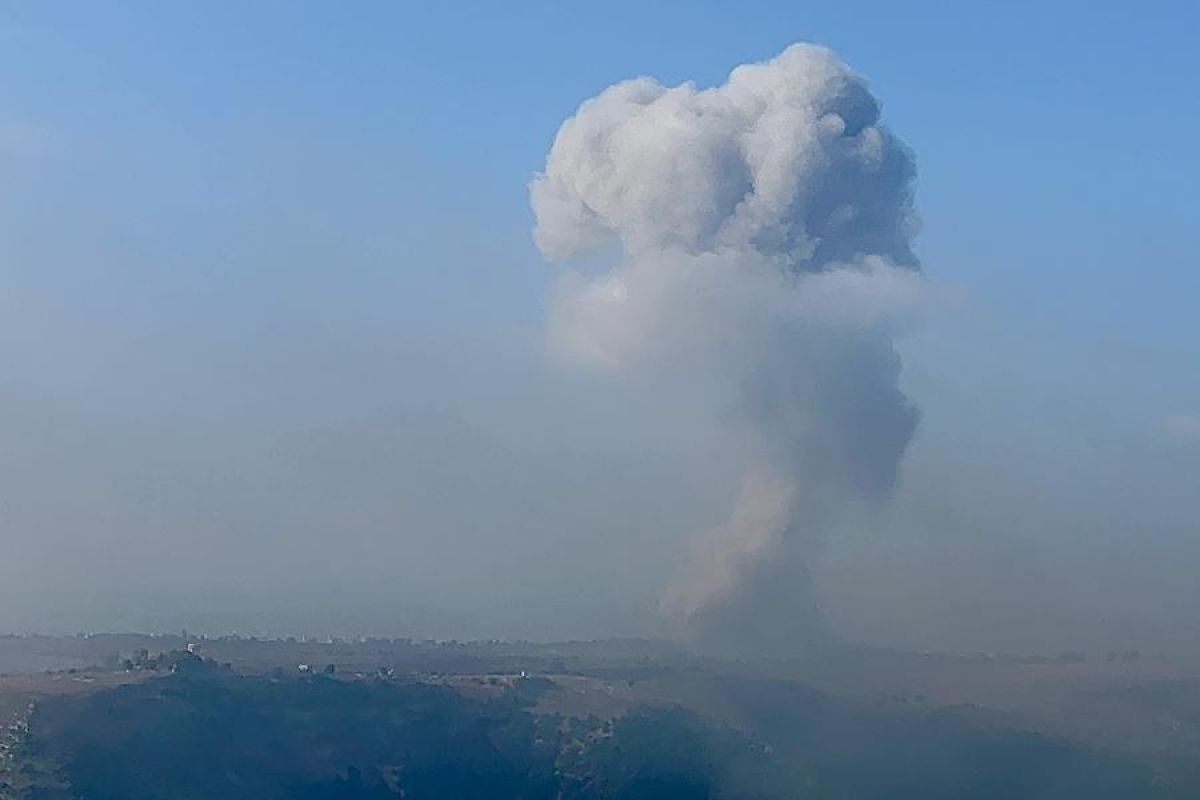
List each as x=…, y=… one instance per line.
x=763, y=237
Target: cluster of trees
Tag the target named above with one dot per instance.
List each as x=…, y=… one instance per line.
x=170, y=661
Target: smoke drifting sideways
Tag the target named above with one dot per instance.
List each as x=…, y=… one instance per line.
x=762, y=237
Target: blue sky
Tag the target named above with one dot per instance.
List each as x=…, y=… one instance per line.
x=1066, y=128
x=227, y=225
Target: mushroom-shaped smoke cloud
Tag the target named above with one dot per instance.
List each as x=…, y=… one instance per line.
x=765, y=230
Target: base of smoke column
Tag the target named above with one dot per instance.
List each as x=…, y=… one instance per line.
x=775, y=615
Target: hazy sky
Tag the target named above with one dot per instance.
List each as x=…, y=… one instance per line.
x=272, y=323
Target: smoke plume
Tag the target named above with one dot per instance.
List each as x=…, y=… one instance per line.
x=763, y=237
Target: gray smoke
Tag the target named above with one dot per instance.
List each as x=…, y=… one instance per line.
x=764, y=230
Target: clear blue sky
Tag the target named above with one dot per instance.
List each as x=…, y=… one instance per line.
x=249, y=216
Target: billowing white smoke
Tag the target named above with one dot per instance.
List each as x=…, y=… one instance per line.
x=764, y=229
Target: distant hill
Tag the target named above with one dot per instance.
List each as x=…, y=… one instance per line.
x=205, y=731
